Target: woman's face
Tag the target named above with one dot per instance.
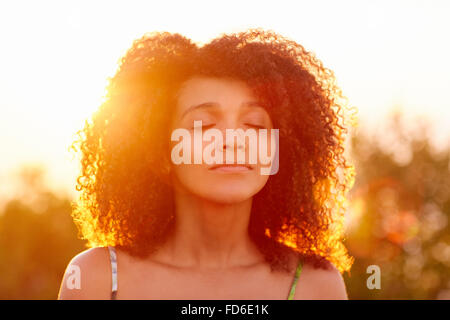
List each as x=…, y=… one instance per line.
x=219, y=104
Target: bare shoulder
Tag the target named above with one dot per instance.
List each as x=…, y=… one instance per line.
x=87, y=276
x=321, y=283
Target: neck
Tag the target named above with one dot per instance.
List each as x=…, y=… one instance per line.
x=211, y=235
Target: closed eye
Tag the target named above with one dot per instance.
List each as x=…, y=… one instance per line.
x=205, y=127
x=256, y=126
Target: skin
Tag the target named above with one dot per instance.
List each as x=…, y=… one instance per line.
x=210, y=255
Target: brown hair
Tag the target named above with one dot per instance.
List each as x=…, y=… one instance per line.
x=126, y=200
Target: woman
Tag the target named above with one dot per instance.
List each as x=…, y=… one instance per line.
x=160, y=230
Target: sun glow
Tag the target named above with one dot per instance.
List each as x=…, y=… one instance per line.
x=56, y=58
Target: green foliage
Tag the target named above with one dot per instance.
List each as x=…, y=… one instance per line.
x=37, y=241
x=399, y=217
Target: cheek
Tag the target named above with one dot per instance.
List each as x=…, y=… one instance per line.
x=189, y=148
x=187, y=172
x=264, y=150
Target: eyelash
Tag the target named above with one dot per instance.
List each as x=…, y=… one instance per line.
x=255, y=126
x=205, y=127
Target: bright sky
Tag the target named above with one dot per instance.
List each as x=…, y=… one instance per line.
x=55, y=57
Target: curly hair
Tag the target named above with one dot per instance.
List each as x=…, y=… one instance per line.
x=126, y=198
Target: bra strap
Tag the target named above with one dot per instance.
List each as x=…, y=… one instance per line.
x=294, y=283
x=113, y=258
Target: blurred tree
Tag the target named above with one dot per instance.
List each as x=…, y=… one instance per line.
x=37, y=240
x=398, y=219
x=399, y=213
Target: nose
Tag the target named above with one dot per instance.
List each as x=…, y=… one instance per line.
x=234, y=147
x=236, y=144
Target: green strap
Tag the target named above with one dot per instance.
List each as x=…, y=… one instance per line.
x=297, y=274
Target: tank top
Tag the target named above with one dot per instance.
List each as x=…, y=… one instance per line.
x=113, y=259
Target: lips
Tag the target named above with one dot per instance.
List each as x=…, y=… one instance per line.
x=231, y=168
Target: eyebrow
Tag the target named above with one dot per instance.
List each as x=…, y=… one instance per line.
x=252, y=104
x=214, y=104
x=199, y=106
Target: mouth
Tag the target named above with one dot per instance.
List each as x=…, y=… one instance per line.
x=231, y=168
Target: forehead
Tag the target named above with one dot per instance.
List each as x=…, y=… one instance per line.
x=217, y=90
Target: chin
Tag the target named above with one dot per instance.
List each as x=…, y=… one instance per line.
x=228, y=193
x=228, y=198
x=221, y=188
